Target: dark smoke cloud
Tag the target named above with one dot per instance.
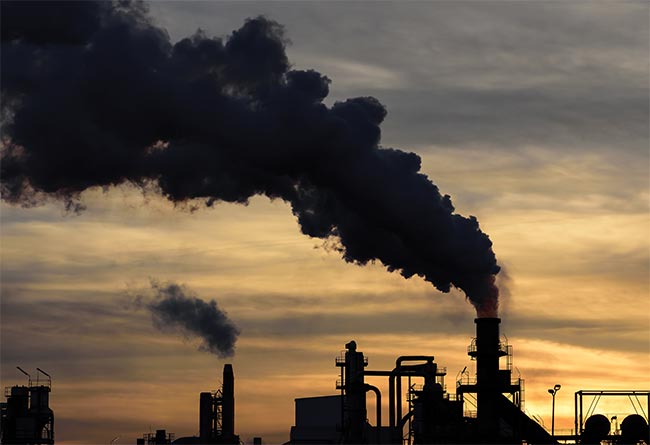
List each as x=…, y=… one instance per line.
x=174, y=308
x=102, y=97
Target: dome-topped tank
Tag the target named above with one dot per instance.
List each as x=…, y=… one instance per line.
x=634, y=428
x=596, y=429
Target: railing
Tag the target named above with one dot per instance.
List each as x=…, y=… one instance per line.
x=340, y=360
x=466, y=379
x=564, y=432
x=508, y=357
x=9, y=388
x=503, y=347
x=150, y=438
x=31, y=384
x=470, y=399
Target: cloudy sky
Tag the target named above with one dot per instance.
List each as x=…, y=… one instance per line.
x=532, y=116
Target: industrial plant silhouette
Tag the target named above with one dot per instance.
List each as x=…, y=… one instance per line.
x=237, y=121
x=487, y=409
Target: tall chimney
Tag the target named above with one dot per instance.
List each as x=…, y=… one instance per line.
x=228, y=394
x=487, y=355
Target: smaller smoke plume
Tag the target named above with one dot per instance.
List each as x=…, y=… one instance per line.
x=174, y=308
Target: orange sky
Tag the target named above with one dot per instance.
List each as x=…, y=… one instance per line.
x=297, y=305
x=568, y=215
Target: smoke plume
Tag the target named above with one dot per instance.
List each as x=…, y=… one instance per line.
x=96, y=95
x=174, y=308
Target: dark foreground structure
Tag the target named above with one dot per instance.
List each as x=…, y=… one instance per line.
x=26, y=417
x=216, y=418
x=484, y=410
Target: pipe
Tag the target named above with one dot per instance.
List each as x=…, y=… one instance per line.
x=378, y=373
x=391, y=399
x=399, y=372
x=378, y=395
x=405, y=419
x=398, y=366
x=392, y=375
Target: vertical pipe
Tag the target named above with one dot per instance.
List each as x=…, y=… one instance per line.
x=396, y=371
x=378, y=395
x=342, y=399
x=391, y=400
x=399, y=396
x=581, y=419
x=575, y=412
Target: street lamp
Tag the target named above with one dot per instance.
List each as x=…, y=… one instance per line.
x=552, y=392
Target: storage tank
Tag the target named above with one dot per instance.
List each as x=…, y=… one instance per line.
x=596, y=429
x=634, y=429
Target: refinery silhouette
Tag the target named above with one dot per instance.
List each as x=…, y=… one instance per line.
x=486, y=408
x=208, y=120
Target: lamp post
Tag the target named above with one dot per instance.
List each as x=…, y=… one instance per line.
x=552, y=392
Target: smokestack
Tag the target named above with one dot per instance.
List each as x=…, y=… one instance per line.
x=228, y=394
x=487, y=355
x=487, y=350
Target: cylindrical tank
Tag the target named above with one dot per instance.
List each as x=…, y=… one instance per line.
x=161, y=437
x=417, y=423
x=18, y=401
x=634, y=428
x=355, y=395
x=39, y=399
x=596, y=429
x=206, y=416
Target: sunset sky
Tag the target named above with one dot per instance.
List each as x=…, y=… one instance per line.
x=533, y=117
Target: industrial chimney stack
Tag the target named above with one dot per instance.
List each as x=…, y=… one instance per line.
x=228, y=394
x=488, y=352
x=217, y=412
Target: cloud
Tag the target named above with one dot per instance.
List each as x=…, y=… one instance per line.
x=570, y=76
x=512, y=118
x=352, y=74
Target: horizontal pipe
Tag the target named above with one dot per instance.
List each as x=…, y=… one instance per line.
x=378, y=373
